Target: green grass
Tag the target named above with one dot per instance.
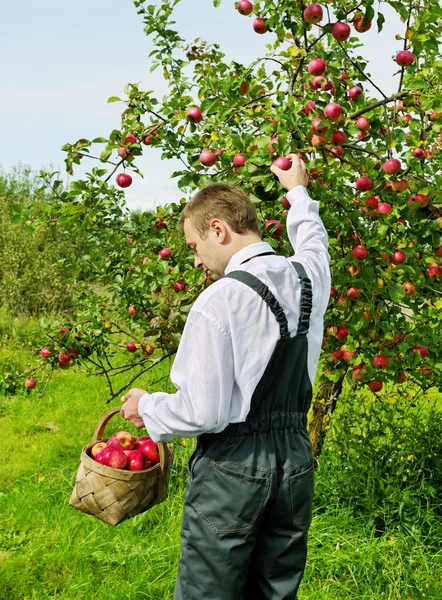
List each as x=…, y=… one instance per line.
x=50, y=550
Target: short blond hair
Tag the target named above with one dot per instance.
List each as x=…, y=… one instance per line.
x=221, y=201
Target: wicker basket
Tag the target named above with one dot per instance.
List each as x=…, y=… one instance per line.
x=114, y=495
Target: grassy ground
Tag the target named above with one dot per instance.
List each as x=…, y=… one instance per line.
x=50, y=550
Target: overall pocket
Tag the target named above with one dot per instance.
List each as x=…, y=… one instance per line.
x=230, y=500
x=301, y=493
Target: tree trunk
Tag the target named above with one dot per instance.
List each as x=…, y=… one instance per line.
x=323, y=409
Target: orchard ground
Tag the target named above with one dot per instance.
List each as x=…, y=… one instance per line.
x=50, y=550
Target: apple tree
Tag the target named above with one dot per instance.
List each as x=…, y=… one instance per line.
x=375, y=167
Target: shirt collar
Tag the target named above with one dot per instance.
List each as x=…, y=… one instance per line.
x=245, y=253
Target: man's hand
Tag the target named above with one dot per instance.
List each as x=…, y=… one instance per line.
x=129, y=411
x=296, y=175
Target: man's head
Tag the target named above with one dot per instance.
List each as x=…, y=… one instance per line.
x=219, y=221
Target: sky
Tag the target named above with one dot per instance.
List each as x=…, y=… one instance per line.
x=62, y=61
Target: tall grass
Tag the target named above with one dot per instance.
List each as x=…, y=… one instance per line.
x=50, y=550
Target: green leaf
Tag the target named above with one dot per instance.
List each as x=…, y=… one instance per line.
x=114, y=99
x=210, y=106
x=216, y=3
x=380, y=21
x=100, y=140
x=396, y=291
x=104, y=156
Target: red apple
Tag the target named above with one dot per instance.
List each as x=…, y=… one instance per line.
x=112, y=457
x=316, y=125
x=131, y=347
x=130, y=139
x=418, y=152
x=132, y=310
x=122, y=439
x=434, y=270
x=45, y=352
x=360, y=252
x=328, y=86
x=360, y=28
x=316, y=81
x=63, y=330
x=313, y=13
x=341, y=31
x=355, y=92
x=259, y=26
x=384, y=208
x=335, y=151
x=282, y=162
x=363, y=124
x=64, y=358
x=150, y=450
x=316, y=66
x=360, y=373
x=245, y=7
x=392, y=166
x=123, y=152
x=244, y=88
x=148, y=349
x=402, y=377
x=276, y=225
x=342, y=332
x=337, y=355
x=309, y=107
x=363, y=184
x=354, y=292
x=332, y=292
x=140, y=440
x=375, y=385
x=339, y=137
x=421, y=349
x=318, y=141
x=343, y=76
x=404, y=58
x=208, y=158
x=96, y=448
x=194, y=114
x=333, y=112
x=409, y=288
x=123, y=180
x=398, y=257
x=30, y=384
x=165, y=253
x=239, y=160
x=148, y=139
x=380, y=361
x=371, y=202
x=179, y=286
x=271, y=146
x=136, y=461
x=438, y=252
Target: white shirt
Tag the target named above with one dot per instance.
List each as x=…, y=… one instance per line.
x=230, y=332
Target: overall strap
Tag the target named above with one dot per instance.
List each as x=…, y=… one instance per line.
x=261, y=288
x=306, y=300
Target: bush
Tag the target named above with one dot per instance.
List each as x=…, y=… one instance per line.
x=383, y=460
x=38, y=262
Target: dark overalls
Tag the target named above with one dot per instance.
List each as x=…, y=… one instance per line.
x=248, y=503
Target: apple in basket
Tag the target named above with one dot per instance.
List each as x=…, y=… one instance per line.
x=150, y=451
x=123, y=440
x=136, y=461
x=97, y=448
x=140, y=440
x=112, y=457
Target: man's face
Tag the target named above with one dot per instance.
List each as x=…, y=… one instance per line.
x=206, y=252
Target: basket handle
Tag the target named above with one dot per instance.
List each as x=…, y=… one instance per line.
x=98, y=434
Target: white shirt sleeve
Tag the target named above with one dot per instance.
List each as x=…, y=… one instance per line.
x=203, y=374
x=309, y=240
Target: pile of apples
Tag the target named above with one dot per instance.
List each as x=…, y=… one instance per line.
x=123, y=451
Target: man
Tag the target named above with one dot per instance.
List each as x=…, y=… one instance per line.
x=244, y=372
